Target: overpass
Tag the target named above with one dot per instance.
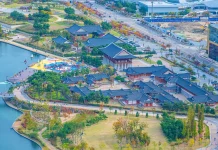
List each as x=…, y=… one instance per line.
x=6, y=95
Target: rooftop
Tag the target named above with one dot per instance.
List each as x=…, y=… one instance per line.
x=102, y=41
x=59, y=40
x=116, y=52
x=88, y=29
x=159, y=4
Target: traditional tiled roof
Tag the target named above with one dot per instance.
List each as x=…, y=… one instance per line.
x=73, y=80
x=83, y=91
x=102, y=41
x=157, y=92
x=59, y=40
x=114, y=93
x=81, y=30
x=91, y=78
x=190, y=87
x=157, y=70
x=116, y=52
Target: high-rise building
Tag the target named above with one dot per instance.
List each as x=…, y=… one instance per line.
x=213, y=41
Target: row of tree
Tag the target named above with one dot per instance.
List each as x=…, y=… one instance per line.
x=187, y=128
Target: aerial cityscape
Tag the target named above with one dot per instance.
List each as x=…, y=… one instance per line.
x=109, y=75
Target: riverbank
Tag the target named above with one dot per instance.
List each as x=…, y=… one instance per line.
x=34, y=50
x=15, y=128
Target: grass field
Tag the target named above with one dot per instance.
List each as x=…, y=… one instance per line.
x=150, y=61
x=103, y=132
x=115, y=33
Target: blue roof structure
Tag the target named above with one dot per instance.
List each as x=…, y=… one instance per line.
x=102, y=41
x=83, y=30
x=73, y=80
x=59, y=40
x=116, y=52
x=91, y=78
x=114, y=93
x=83, y=91
x=156, y=70
x=190, y=87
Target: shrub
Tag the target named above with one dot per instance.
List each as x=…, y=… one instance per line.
x=115, y=112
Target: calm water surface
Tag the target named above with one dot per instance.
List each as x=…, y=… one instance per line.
x=12, y=61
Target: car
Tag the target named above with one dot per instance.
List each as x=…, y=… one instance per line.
x=131, y=42
x=137, y=45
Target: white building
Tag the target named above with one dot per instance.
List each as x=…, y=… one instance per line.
x=160, y=8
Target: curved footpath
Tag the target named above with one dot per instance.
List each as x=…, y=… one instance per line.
x=211, y=122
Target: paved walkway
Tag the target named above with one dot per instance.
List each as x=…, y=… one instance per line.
x=211, y=122
x=21, y=76
x=47, y=143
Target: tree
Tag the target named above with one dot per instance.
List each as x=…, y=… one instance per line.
x=159, y=62
x=200, y=112
x=131, y=132
x=126, y=113
x=137, y=114
x=69, y=11
x=143, y=10
x=76, y=96
x=191, y=142
x=212, y=70
x=106, y=26
x=17, y=16
x=146, y=115
x=1, y=31
x=115, y=112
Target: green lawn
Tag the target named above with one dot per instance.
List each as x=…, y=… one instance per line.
x=103, y=132
x=4, y=18
x=115, y=33
x=150, y=61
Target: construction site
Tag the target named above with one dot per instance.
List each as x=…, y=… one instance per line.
x=194, y=31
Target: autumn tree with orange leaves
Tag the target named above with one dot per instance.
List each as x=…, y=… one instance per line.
x=131, y=132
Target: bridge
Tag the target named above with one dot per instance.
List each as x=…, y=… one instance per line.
x=6, y=95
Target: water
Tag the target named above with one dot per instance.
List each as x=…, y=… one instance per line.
x=12, y=61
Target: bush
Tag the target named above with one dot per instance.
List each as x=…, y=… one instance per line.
x=126, y=113
x=146, y=115
x=157, y=116
x=137, y=114
x=115, y=112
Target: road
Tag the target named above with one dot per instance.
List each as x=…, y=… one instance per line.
x=211, y=122
x=112, y=15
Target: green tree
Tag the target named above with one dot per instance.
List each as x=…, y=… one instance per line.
x=159, y=62
x=69, y=11
x=115, y=112
x=126, y=113
x=146, y=115
x=137, y=114
x=106, y=26
x=143, y=10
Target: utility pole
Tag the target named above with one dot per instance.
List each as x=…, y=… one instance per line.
x=152, y=7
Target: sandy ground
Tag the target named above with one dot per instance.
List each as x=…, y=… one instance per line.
x=139, y=63
x=191, y=30
x=68, y=118
x=117, y=85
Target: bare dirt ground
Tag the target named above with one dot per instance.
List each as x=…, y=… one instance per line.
x=196, y=31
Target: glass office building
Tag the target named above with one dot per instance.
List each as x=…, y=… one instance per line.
x=213, y=41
